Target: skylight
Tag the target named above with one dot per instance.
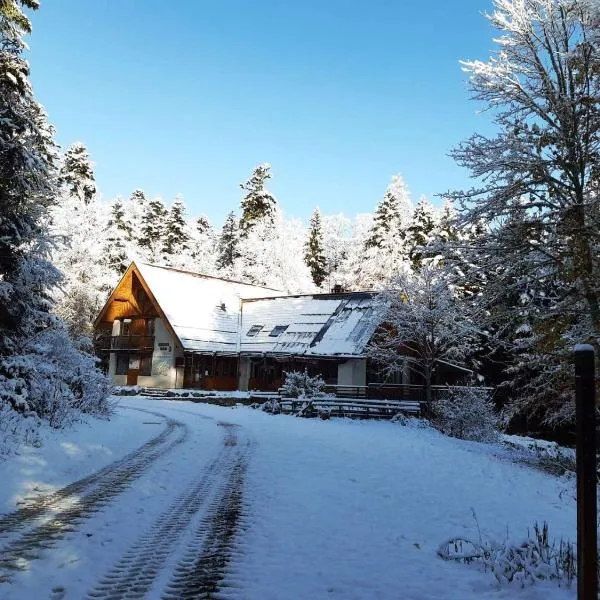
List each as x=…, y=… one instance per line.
x=254, y=330
x=278, y=330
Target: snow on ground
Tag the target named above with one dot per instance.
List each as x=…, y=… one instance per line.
x=70, y=454
x=332, y=509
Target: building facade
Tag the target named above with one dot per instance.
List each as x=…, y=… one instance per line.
x=168, y=328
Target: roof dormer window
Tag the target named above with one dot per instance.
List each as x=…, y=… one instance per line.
x=278, y=330
x=253, y=331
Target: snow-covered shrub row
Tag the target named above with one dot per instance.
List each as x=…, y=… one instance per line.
x=299, y=384
x=543, y=454
x=467, y=413
x=536, y=558
x=409, y=421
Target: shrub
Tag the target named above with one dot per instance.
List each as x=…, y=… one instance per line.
x=271, y=406
x=532, y=560
x=467, y=413
x=299, y=384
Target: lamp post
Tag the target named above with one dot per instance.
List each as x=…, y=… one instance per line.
x=585, y=400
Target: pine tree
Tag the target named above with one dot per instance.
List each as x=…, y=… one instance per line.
x=314, y=256
x=77, y=174
x=175, y=235
x=258, y=203
x=391, y=215
x=422, y=230
x=40, y=368
x=152, y=229
x=385, y=249
x=203, y=225
x=119, y=235
x=227, y=247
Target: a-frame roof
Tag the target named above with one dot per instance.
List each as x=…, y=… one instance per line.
x=211, y=315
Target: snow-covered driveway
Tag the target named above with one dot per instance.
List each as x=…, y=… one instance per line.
x=233, y=503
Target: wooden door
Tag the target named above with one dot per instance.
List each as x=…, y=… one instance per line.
x=132, y=376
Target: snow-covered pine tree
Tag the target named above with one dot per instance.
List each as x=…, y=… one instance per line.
x=119, y=238
x=77, y=219
x=258, y=203
x=422, y=230
x=227, y=245
x=40, y=368
x=448, y=227
x=385, y=247
x=176, y=239
x=391, y=216
x=540, y=176
x=203, y=245
x=152, y=227
x=314, y=256
x=76, y=173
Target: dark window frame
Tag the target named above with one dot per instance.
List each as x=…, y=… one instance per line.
x=278, y=330
x=254, y=330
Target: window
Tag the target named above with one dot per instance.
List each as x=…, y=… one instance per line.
x=150, y=327
x=125, y=326
x=122, y=364
x=254, y=330
x=278, y=330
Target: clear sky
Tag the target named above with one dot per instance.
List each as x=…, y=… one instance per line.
x=188, y=96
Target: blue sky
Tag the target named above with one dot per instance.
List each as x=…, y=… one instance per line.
x=187, y=97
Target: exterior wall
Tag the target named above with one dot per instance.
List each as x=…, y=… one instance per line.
x=244, y=373
x=112, y=361
x=163, y=360
x=353, y=372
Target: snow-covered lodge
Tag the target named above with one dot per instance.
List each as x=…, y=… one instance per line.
x=168, y=328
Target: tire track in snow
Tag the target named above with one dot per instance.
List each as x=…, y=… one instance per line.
x=201, y=571
x=134, y=575
x=82, y=498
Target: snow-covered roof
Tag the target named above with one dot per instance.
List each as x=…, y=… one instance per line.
x=319, y=325
x=203, y=311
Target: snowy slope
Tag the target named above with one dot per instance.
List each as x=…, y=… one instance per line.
x=336, y=509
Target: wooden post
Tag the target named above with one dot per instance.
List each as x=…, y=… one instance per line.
x=585, y=399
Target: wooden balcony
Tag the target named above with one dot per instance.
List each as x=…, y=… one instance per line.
x=142, y=343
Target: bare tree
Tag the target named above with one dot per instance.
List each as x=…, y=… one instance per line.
x=422, y=322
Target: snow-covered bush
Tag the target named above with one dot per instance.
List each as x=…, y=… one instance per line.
x=467, y=413
x=16, y=428
x=271, y=406
x=536, y=558
x=409, y=421
x=53, y=379
x=299, y=384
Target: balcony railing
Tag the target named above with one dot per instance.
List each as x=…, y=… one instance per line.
x=132, y=342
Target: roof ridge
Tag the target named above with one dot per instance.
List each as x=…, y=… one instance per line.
x=205, y=276
x=321, y=296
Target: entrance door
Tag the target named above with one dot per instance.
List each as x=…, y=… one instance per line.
x=132, y=376
x=134, y=370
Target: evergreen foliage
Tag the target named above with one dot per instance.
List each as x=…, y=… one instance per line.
x=152, y=228
x=314, y=256
x=258, y=203
x=175, y=236
x=41, y=370
x=77, y=174
x=227, y=248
